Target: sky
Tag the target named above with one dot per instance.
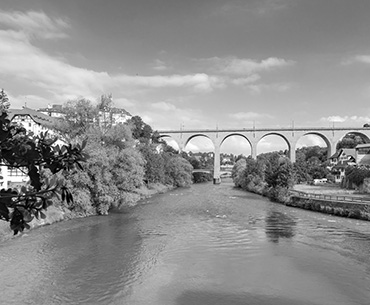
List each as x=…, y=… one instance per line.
x=194, y=64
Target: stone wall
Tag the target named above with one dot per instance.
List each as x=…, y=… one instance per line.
x=338, y=208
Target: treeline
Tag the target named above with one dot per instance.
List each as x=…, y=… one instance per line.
x=123, y=160
x=271, y=175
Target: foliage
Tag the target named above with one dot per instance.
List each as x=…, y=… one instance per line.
x=154, y=164
x=237, y=172
x=33, y=154
x=272, y=174
x=351, y=140
x=356, y=175
x=79, y=117
x=310, y=164
x=199, y=177
x=178, y=171
x=121, y=163
x=140, y=130
x=279, y=172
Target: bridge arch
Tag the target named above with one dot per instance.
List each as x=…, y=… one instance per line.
x=282, y=136
x=362, y=135
x=171, y=141
x=236, y=135
x=328, y=143
x=198, y=135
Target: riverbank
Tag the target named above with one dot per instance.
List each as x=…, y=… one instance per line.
x=331, y=200
x=56, y=213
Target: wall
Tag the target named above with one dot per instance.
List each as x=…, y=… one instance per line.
x=339, y=208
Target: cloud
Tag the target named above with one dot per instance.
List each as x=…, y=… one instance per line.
x=243, y=81
x=35, y=24
x=363, y=59
x=342, y=119
x=279, y=87
x=246, y=72
x=246, y=66
x=160, y=65
x=29, y=66
x=164, y=106
x=198, y=82
x=249, y=116
x=255, y=7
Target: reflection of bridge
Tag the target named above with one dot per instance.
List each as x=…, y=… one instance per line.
x=331, y=137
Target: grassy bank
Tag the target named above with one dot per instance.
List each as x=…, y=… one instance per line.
x=347, y=206
x=57, y=213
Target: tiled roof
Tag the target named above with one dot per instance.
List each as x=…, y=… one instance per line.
x=347, y=151
x=37, y=116
x=366, y=145
x=365, y=160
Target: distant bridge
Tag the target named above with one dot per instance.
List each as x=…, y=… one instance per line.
x=331, y=137
x=199, y=170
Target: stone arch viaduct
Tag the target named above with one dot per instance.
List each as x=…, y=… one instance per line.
x=331, y=137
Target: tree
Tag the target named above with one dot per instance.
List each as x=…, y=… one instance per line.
x=79, y=117
x=105, y=105
x=32, y=154
x=140, y=130
x=351, y=140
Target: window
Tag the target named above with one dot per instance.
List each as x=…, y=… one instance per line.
x=16, y=172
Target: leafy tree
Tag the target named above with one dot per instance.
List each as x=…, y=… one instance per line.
x=154, y=164
x=32, y=154
x=351, y=140
x=140, y=130
x=178, y=171
x=79, y=117
x=237, y=172
x=279, y=172
x=105, y=105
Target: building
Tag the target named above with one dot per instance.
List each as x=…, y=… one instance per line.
x=105, y=118
x=32, y=121
x=363, y=154
x=113, y=116
x=340, y=160
x=54, y=111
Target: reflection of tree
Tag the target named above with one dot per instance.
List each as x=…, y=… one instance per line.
x=279, y=225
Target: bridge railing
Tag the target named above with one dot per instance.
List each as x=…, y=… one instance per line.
x=343, y=198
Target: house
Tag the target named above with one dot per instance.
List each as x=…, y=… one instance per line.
x=113, y=116
x=35, y=122
x=363, y=154
x=105, y=118
x=340, y=160
x=54, y=111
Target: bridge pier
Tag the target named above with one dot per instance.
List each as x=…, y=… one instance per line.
x=216, y=164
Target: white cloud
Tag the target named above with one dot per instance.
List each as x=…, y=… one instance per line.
x=164, y=106
x=334, y=119
x=35, y=24
x=363, y=59
x=346, y=118
x=243, y=81
x=160, y=65
x=24, y=63
x=255, y=7
x=246, y=66
x=279, y=87
x=249, y=116
x=198, y=82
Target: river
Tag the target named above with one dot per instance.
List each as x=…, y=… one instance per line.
x=204, y=245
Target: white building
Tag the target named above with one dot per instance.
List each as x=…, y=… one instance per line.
x=35, y=122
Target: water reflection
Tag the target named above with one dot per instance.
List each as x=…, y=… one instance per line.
x=279, y=225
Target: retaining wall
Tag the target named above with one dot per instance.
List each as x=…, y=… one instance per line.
x=338, y=208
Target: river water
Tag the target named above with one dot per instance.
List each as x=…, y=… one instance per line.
x=204, y=245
